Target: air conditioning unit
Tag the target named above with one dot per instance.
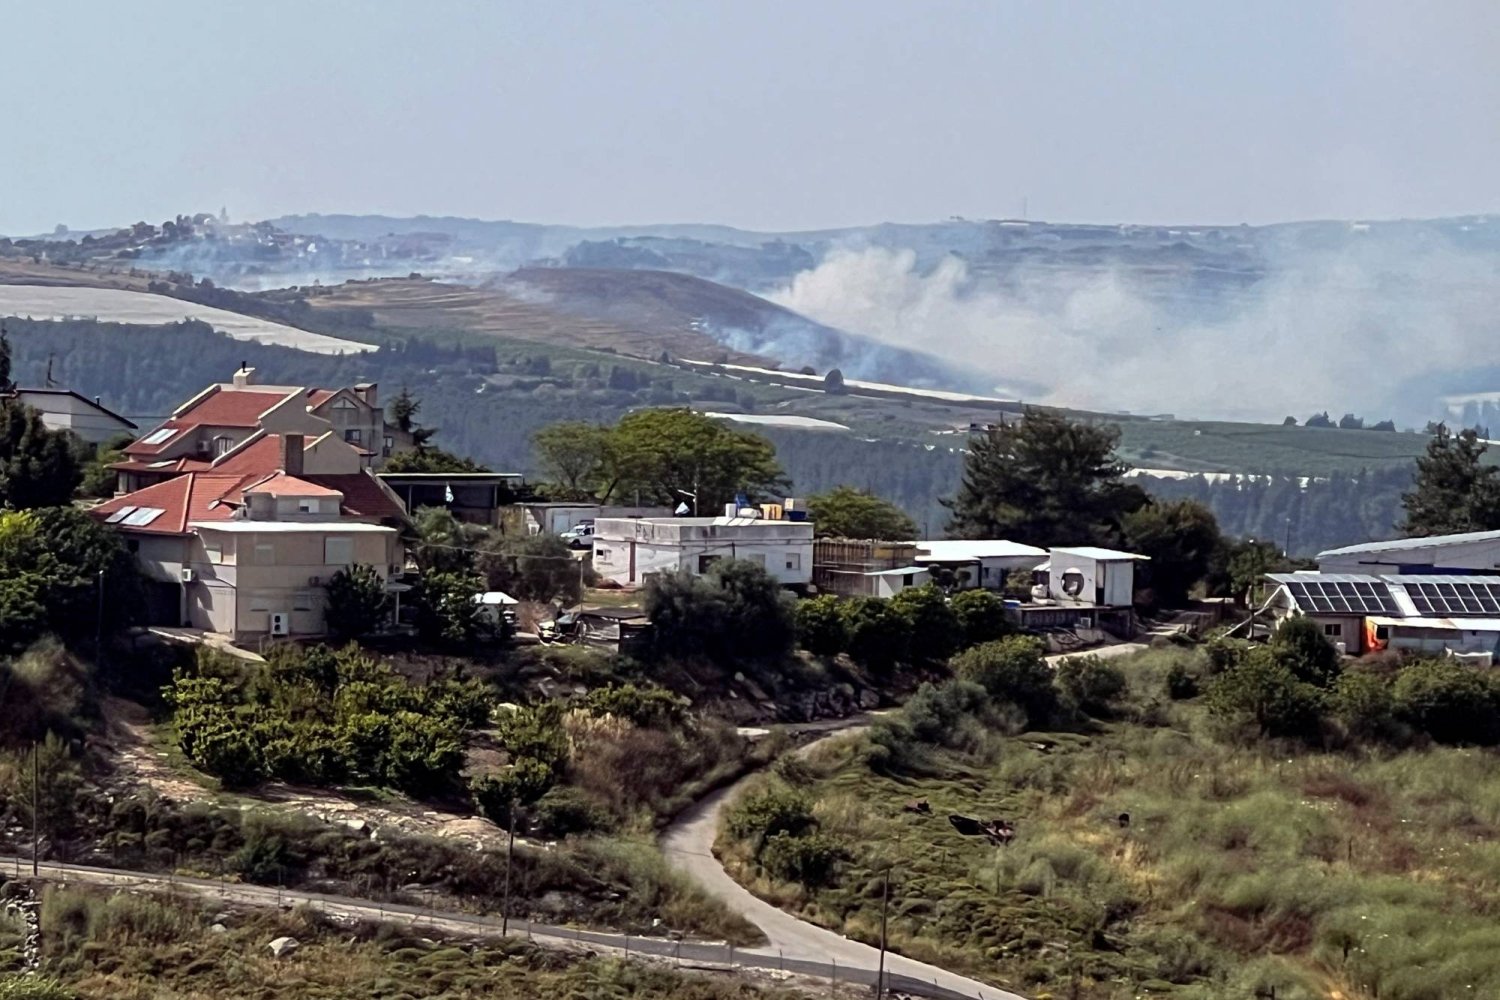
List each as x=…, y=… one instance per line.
x=281, y=623
x=1342, y=648
x=188, y=576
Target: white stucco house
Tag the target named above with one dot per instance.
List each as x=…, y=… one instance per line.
x=627, y=550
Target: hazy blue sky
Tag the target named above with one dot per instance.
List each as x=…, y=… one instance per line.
x=760, y=114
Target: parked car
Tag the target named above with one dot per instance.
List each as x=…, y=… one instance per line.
x=580, y=536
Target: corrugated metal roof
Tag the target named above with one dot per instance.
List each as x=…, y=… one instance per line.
x=957, y=549
x=1410, y=544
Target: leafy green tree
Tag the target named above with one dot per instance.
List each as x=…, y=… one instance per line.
x=1264, y=692
x=1013, y=669
x=879, y=634
x=1181, y=538
x=431, y=460
x=1454, y=490
x=821, y=629
x=1044, y=480
x=357, y=603
x=516, y=787
x=658, y=454
x=935, y=631
x=444, y=544
x=1300, y=646
x=760, y=815
x=981, y=616
x=533, y=568
x=574, y=456
x=99, y=480
x=57, y=558
x=38, y=467
x=648, y=707
x=736, y=614
x=446, y=610
x=845, y=512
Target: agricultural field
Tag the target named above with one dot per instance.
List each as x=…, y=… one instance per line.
x=115, y=305
x=1155, y=855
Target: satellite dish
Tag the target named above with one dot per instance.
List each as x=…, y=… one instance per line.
x=681, y=510
x=1072, y=582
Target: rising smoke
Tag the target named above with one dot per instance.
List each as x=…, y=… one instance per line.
x=1299, y=332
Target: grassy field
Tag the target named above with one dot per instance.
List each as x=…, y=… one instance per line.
x=1243, y=869
x=142, y=947
x=1232, y=447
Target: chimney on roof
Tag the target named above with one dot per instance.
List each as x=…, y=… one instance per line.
x=366, y=392
x=291, y=454
x=245, y=376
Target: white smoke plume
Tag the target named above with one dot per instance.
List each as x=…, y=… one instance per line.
x=1336, y=330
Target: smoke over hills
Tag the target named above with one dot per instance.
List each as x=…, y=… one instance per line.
x=1342, y=327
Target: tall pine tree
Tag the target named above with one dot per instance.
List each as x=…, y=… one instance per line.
x=1454, y=491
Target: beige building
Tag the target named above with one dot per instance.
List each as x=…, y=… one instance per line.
x=246, y=547
x=65, y=410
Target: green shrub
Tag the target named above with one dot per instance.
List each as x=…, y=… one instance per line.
x=1181, y=683
x=1090, y=684
x=821, y=629
x=1364, y=703
x=565, y=811
x=515, y=787
x=1450, y=702
x=652, y=707
x=763, y=813
x=1299, y=645
x=981, y=616
x=935, y=631
x=1262, y=691
x=1014, y=670
x=879, y=634
x=809, y=859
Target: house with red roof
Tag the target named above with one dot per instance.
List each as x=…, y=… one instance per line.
x=222, y=417
x=242, y=543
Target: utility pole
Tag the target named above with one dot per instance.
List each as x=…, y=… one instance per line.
x=885, y=904
x=36, y=836
x=510, y=853
x=99, y=624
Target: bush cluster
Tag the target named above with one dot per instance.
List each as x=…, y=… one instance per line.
x=320, y=716
x=919, y=625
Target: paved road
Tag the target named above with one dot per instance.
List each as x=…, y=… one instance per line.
x=688, y=844
x=687, y=954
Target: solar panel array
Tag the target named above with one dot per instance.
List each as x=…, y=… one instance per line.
x=1346, y=597
x=1455, y=598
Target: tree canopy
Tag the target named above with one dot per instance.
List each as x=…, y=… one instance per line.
x=1044, y=480
x=38, y=467
x=1453, y=491
x=660, y=456
x=845, y=512
x=1181, y=538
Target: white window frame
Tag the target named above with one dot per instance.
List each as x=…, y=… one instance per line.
x=794, y=561
x=214, y=549
x=1333, y=630
x=354, y=435
x=265, y=553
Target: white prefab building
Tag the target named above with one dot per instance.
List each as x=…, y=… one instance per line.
x=1103, y=578
x=1472, y=552
x=627, y=550
x=979, y=562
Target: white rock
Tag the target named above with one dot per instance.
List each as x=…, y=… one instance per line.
x=284, y=946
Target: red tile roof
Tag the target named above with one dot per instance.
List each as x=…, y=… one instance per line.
x=174, y=465
x=283, y=485
x=258, y=455
x=191, y=497
x=364, y=495
x=231, y=408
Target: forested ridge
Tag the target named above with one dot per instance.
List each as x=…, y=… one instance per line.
x=488, y=399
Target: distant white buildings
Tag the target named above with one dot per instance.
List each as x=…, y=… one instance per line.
x=981, y=563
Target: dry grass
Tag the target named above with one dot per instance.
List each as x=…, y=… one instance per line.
x=1243, y=868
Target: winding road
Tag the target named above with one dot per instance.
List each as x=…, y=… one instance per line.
x=688, y=844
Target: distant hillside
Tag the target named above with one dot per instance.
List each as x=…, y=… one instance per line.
x=667, y=301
